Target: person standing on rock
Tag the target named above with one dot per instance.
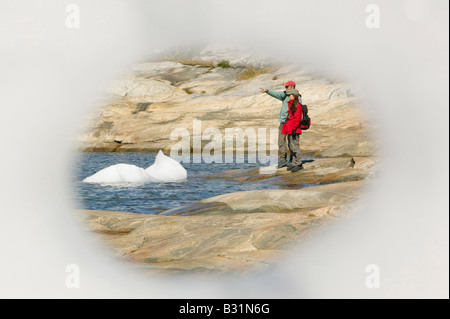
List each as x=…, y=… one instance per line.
x=282, y=144
x=291, y=128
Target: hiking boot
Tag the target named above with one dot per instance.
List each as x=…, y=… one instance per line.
x=282, y=163
x=296, y=168
x=290, y=167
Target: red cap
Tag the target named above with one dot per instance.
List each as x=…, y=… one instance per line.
x=290, y=83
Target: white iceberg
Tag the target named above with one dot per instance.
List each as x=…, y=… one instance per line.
x=120, y=174
x=166, y=169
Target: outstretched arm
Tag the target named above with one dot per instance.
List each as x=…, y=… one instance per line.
x=280, y=95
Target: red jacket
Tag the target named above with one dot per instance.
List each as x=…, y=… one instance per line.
x=293, y=120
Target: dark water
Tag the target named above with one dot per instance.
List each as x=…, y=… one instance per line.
x=152, y=198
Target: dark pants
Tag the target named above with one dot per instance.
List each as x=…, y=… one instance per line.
x=282, y=145
x=294, y=148
x=293, y=142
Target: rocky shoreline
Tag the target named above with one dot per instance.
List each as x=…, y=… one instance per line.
x=143, y=107
x=237, y=232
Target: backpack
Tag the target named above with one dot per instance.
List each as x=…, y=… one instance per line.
x=306, y=120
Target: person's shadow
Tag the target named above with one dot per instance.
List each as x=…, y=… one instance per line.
x=304, y=161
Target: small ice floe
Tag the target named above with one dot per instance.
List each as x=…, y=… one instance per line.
x=267, y=170
x=164, y=169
